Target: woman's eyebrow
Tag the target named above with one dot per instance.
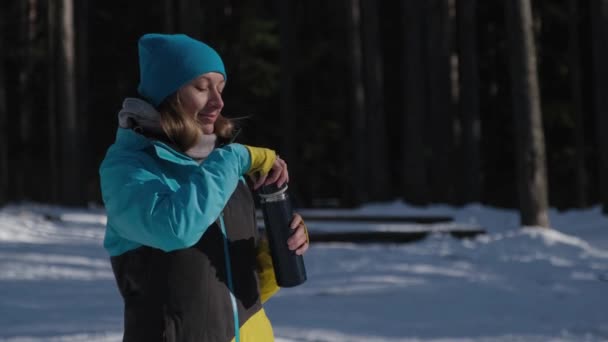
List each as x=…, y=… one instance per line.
x=209, y=80
x=204, y=80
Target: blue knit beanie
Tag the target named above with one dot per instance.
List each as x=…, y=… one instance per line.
x=168, y=61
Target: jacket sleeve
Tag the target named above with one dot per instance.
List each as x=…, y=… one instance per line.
x=142, y=208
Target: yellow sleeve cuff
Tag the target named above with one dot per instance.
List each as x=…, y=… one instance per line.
x=262, y=159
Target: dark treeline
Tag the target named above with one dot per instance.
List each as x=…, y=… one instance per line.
x=366, y=100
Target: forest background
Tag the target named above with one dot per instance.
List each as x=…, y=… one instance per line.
x=366, y=100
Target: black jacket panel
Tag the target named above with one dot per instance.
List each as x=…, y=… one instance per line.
x=183, y=295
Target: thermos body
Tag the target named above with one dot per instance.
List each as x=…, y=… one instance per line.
x=278, y=213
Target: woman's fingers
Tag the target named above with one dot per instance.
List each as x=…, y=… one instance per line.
x=298, y=241
x=284, y=177
x=259, y=180
x=296, y=221
x=303, y=249
x=278, y=174
x=273, y=175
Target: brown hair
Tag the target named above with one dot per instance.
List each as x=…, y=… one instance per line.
x=182, y=129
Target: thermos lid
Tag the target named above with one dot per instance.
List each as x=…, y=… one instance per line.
x=272, y=189
x=272, y=193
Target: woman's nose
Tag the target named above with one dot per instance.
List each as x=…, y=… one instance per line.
x=216, y=100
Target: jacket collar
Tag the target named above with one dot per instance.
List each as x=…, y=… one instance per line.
x=130, y=140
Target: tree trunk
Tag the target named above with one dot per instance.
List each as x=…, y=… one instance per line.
x=414, y=166
x=287, y=117
x=29, y=10
x=376, y=133
x=71, y=182
x=359, y=149
x=470, y=190
x=89, y=177
x=440, y=101
x=599, y=26
x=3, y=119
x=212, y=14
x=531, y=164
x=188, y=17
x=169, y=17
x=577, y=104
x=53, y=142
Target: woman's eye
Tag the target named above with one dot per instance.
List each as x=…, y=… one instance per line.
x=201, y=89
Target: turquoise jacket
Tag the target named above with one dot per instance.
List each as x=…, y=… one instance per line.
x=158, y=197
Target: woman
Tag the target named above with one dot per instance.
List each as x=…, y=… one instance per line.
x=181, y=228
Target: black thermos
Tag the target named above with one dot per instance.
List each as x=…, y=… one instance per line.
x=278, y=213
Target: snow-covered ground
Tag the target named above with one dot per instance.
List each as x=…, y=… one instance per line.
x=512, y=284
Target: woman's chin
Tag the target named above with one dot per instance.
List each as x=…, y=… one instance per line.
x=207, y=128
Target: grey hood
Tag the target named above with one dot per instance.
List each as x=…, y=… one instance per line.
x=139, y=113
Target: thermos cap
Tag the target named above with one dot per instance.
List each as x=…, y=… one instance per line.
x=271, y=189
x=271, y=192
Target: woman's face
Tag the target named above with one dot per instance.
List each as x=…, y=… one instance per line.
x=202, y=98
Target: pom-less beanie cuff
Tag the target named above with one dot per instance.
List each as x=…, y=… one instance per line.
x=169, y=61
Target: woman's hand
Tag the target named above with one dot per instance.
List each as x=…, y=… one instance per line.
x=298, y=241
x=278, y=174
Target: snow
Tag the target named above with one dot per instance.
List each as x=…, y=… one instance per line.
x=512, y=284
